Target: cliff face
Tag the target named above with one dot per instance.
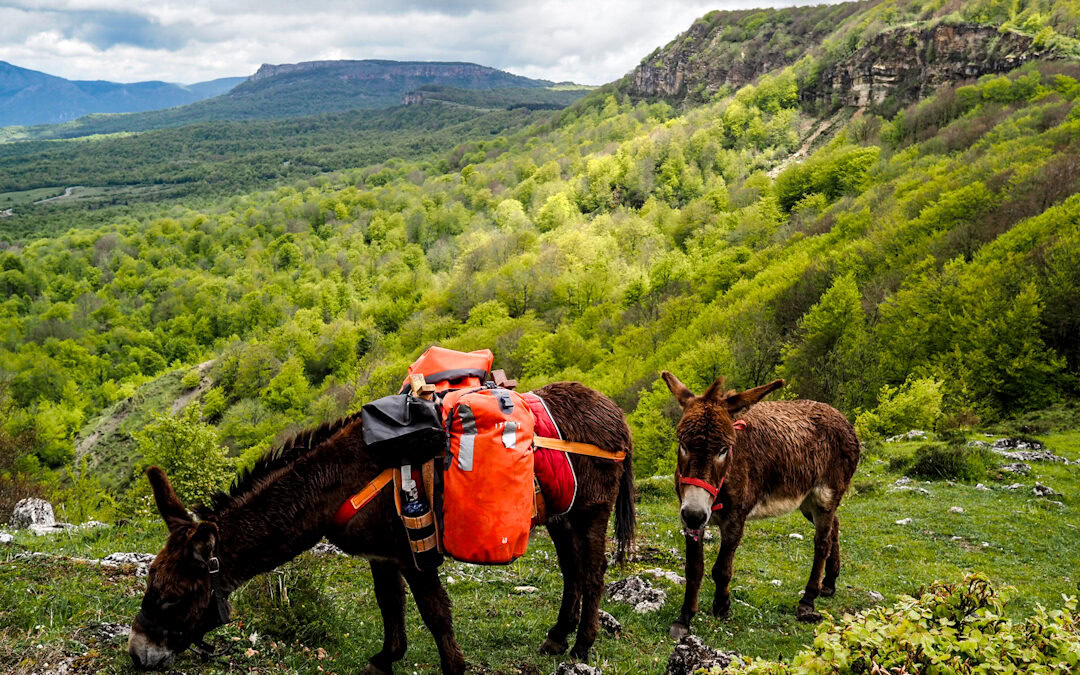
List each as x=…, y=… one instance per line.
x=908, y=63
x=733, y=48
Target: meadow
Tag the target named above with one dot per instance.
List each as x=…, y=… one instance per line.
x=53, y=606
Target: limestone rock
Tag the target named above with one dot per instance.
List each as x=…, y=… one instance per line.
x=637, y=593
x=32, y=511
x=692, y=654
x=577, y=669
x=610, y=623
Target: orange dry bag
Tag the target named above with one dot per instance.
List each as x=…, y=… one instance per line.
x=488, y=477
x=450, y=369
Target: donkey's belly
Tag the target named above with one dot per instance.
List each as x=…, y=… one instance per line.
x=770, y=506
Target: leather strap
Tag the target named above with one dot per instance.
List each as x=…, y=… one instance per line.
x=422, y=521
x=353, y=505
x=425, y=544
x=578, y=448
x=428, y=473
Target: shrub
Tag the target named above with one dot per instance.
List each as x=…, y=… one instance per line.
x=950, y=462
x=83, y=498
x=190, y=453
x=949, y=628
x=291, y=604
x=191, y=379
x=915, y=405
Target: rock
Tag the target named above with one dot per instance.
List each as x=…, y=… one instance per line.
x=982, y=488
x=1017, y=467
x=42, y=530
x=326, y=548
x=526, y=589
x=1014, y=486
x=141, y=561
x=577, y=669
x=666, y=574
x=1055, y=503
x=978, y=444
x=692, y=654
x=1041, y=490
x=902, y=480
x=707, y=535
x=777, y=583
x=32, y=511
x=108, y=632
x=6, y=538
x=1017, y=444
x=637, y=593
x=956, y=509
x=610, y=623
x=913, y=435
x=795, y=535
x=904, y=521
x=875, y=596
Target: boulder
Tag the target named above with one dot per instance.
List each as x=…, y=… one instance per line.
x=141, y=561
x=33, y=511
x=637, y=593
x=1017, y=467
x=692, y=654
x=913, y=435
x=1041, y=490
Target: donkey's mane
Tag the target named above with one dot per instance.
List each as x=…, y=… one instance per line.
x=276, y=459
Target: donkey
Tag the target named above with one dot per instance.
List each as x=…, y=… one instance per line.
x=778, y=456
x=288, y=501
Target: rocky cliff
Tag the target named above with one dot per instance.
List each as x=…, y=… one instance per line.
x=733, y=49
x=907, y=63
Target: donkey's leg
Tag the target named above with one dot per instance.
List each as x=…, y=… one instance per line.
x=695, y=569
x=434, y=605
x=390, y=594
x=832, y=565
x=562, y=535
x=823, y=528
x=724, y=566
x=591, y=527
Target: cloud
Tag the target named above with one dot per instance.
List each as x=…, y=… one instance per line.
x=126, y=40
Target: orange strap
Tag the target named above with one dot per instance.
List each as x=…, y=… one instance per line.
x=353, y=505
x=578, y=448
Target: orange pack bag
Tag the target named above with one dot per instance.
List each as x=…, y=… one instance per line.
x=488, y=478
x=451, y=369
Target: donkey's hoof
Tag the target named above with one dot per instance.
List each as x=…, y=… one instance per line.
x=827, y=591
x=721, y=611
x=372, y=669
x=678, y=631
x=552, y=647
x=806, y=614
x=580, y=654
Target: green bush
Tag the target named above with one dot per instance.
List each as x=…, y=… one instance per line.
x=948, y=462
x=291, y=604
x=191, y=379
x=915, y=405
x=949, y=628
x=190, y=453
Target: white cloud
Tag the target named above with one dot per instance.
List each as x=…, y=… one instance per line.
x=128, y=40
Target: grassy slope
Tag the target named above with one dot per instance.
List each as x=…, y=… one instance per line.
x=54, y=603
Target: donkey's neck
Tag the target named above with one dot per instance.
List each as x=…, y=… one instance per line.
x=287, y=512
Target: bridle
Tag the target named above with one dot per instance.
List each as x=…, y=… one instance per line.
x=220, y=600
x=739, y=425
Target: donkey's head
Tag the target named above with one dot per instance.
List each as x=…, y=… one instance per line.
x=178, y=607
x=706, y=436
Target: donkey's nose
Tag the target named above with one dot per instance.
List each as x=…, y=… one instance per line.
x=693, y=517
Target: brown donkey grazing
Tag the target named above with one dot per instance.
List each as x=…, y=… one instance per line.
x=776, y=457
x=288, y=502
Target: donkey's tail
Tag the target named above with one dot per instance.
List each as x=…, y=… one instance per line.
x=625, y=515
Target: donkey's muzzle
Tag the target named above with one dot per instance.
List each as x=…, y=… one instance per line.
x=693, y=517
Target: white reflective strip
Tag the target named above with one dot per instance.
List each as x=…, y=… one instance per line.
x=468, y=438
x=509, y=434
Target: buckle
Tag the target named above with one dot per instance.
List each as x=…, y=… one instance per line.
x=213, y=565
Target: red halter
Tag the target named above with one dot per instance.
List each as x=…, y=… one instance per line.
x=714, y=491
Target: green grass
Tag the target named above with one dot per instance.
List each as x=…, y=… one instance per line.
x=54, y=602
x=22, y=197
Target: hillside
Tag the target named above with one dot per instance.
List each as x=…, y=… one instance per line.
x=297, y=90
x=29, y=97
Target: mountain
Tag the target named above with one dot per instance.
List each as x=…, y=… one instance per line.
x=308, y=88
x=32, y=97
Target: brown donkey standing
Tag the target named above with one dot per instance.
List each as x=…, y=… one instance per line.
x=288, y=502
x=740, y=461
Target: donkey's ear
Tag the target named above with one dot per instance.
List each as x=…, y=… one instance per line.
x=749, y=397
x=202, y=542
x=168, y=504
x=716, y=391
x=678, y=389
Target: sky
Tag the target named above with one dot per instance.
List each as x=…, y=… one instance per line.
x=585, y=41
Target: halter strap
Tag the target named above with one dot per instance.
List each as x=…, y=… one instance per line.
x=739, y=425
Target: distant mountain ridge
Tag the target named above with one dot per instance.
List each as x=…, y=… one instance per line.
x=299, y=90
x=32, y=97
